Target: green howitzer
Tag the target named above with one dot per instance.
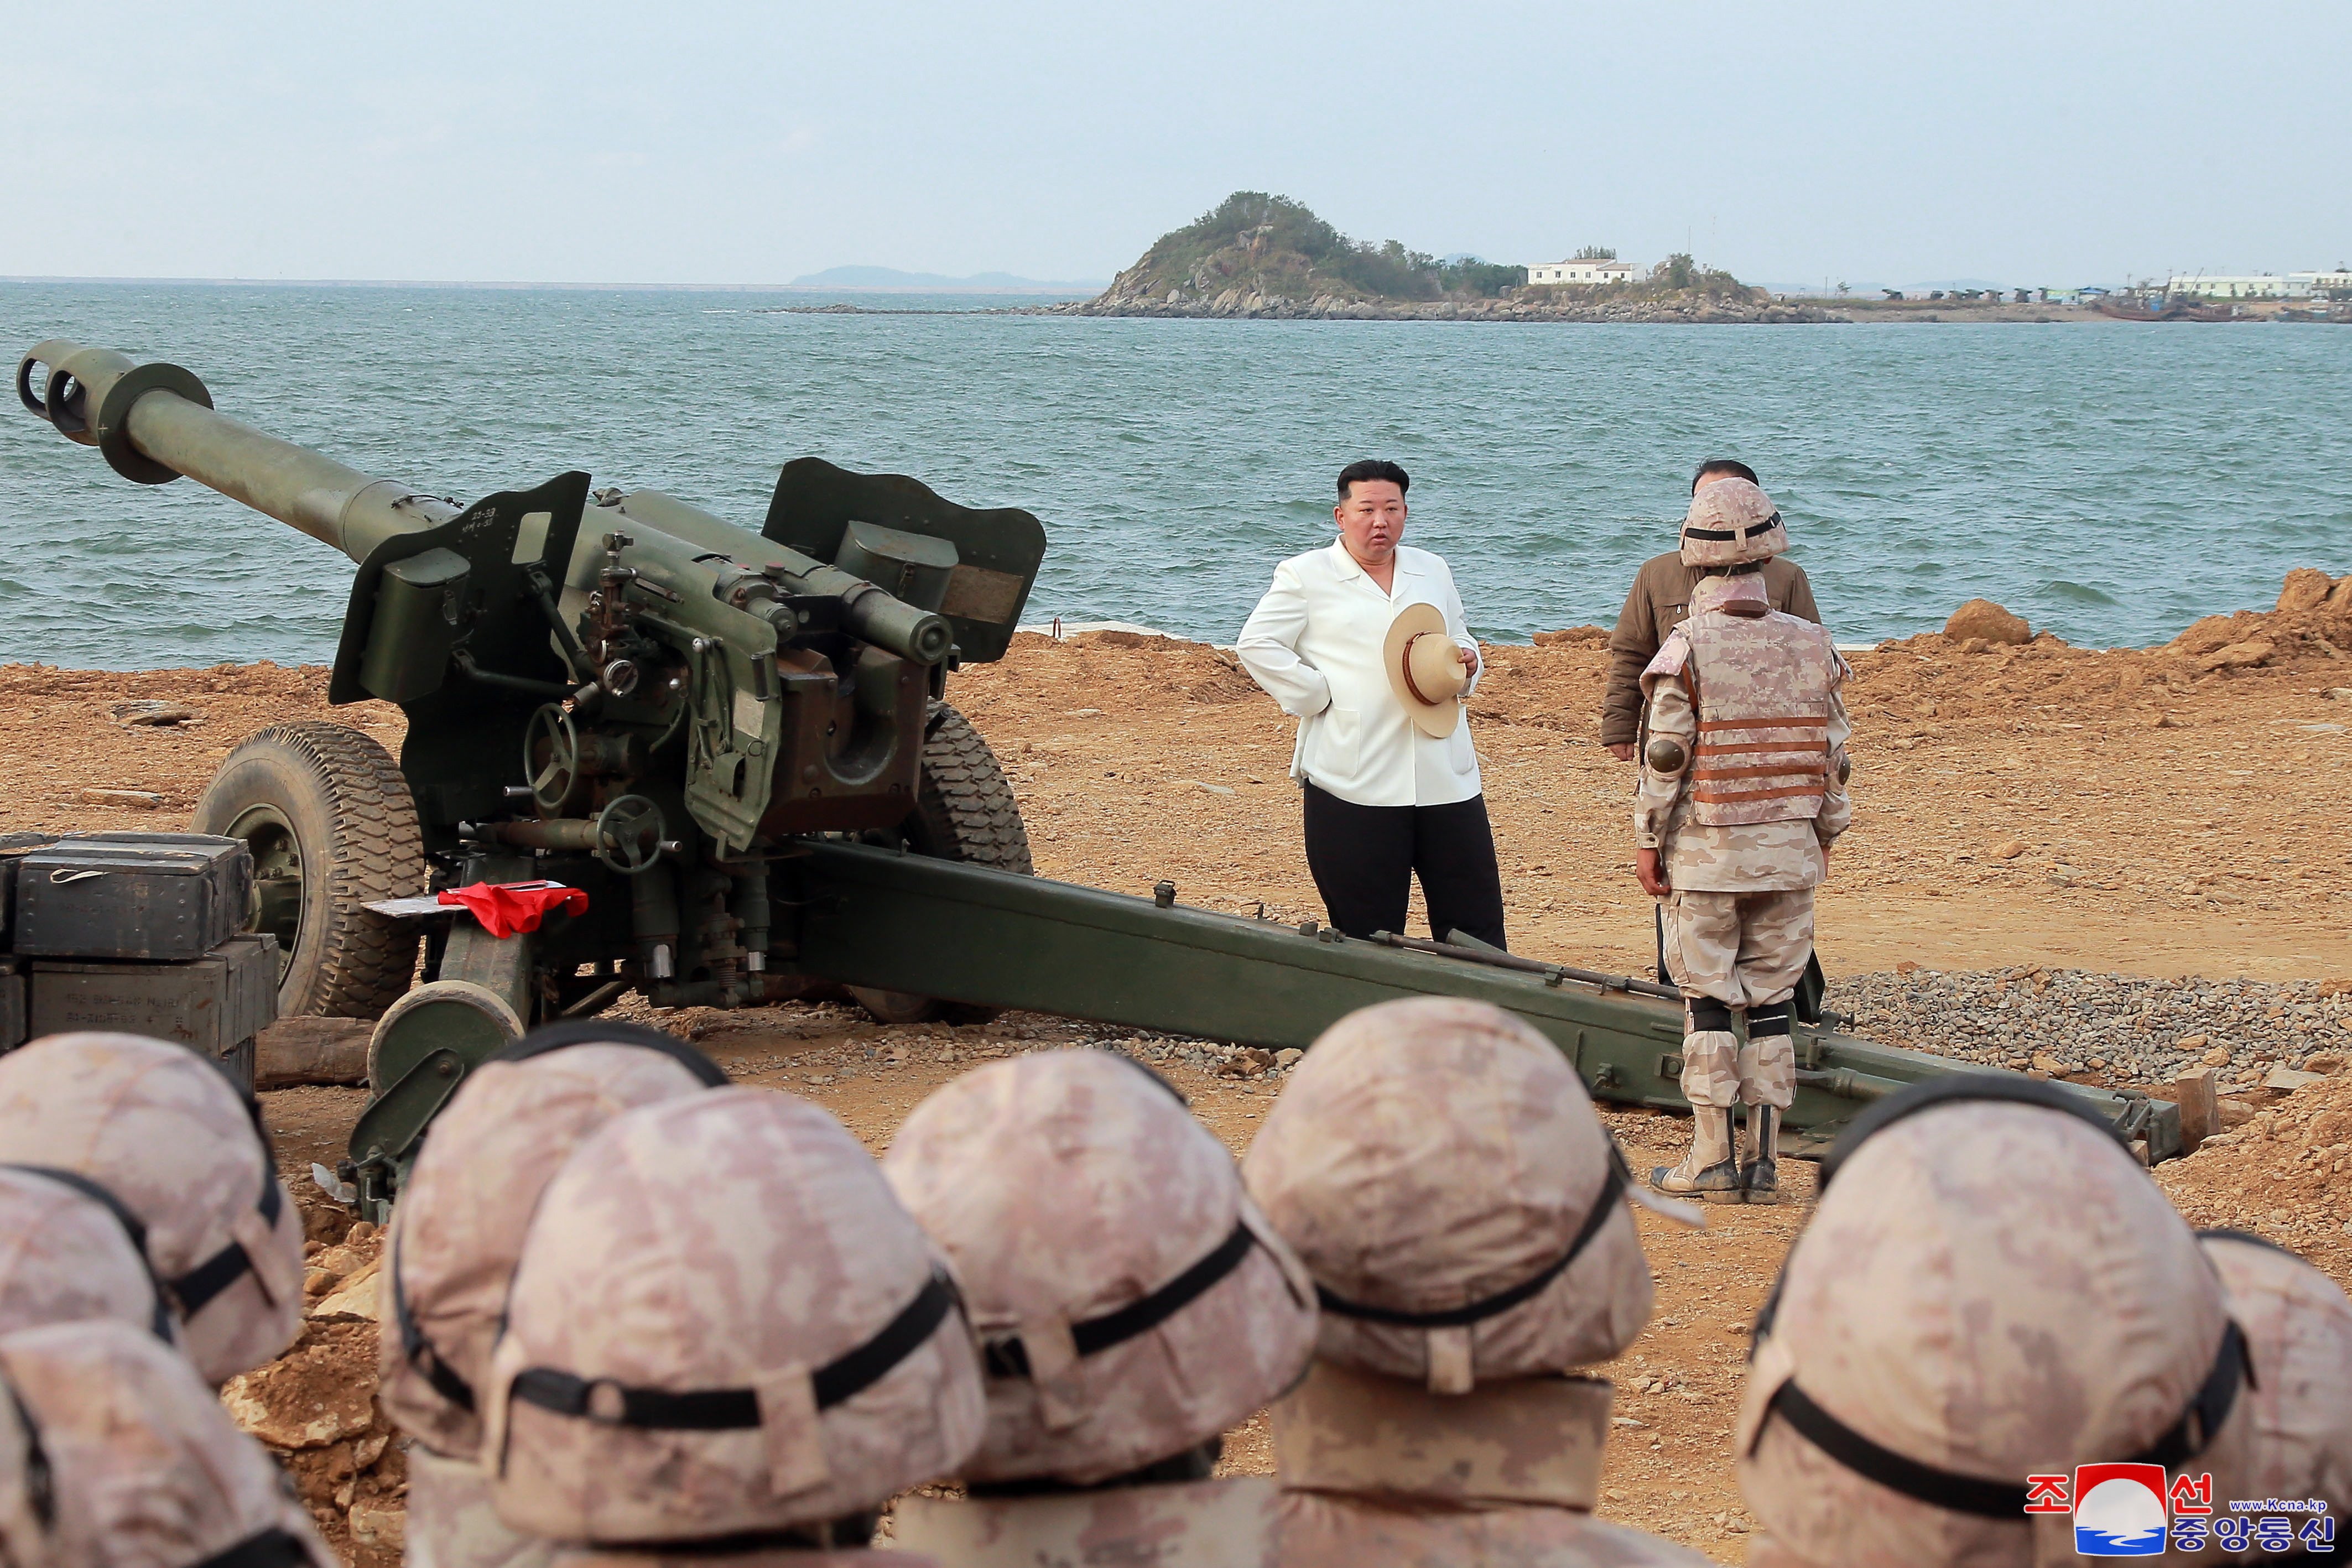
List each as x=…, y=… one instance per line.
x=738, y=744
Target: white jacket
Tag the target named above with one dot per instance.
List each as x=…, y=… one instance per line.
x=1313, y=641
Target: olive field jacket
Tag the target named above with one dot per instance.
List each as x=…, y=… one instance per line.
x=1659, y=599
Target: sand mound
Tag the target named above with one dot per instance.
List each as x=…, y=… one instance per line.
x=2285, y=1175
x=2313, y=616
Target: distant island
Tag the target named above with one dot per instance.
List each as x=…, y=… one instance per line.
x=891, y=281
x=1266, y=256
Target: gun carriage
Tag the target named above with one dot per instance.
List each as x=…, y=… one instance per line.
x=739, y=744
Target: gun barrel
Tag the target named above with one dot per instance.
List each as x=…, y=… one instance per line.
x=154, y=422
x=877, y=617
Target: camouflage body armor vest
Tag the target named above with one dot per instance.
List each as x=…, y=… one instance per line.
x=1761, y=684
x=1228, y=1522
x=1379, y=1470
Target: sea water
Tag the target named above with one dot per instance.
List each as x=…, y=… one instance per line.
x=2110, y=482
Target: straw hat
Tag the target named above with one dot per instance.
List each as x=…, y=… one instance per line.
x=1424, y=667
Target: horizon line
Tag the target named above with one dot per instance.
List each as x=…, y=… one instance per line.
x=1042, y=288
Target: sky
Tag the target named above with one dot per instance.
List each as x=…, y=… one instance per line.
x=730, y=142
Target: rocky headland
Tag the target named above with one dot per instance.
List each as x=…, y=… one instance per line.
x=1264, y=257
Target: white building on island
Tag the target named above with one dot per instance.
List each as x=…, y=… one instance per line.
x=1584, y=274
x=2246, y=285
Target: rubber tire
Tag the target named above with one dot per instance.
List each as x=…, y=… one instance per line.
x=964, y=810
x=351, y=818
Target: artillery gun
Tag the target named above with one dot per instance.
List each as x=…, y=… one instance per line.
x=738, y=744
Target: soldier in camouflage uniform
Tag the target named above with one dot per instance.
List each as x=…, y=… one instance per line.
x=163, y=1131
x=1990, y=1289
x=1742, y=791
x=115, y=1454
x=725, y=1341
x=1132, y=1304
x=70, y=1251
x=454, y=1237
x=1438, y=1166
x=2298, y=1326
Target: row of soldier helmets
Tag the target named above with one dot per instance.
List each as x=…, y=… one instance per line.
x=154, y=1142
x=148, y=1251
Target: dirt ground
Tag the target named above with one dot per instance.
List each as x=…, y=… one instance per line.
x=2166, y=812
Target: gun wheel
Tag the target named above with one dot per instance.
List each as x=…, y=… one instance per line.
x=329, y=818
x=964, y=810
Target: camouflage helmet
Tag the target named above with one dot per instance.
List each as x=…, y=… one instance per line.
x=143, y=1468
x=722, y=1324
x=461, y=1217
x=1943, y=1330
x=70, y=1251
x=163, y=1130
x=1131, y=1299
x=2298, y=1326
x=1438, y=1166
x=1730, y=523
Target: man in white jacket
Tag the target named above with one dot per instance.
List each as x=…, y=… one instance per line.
x=1384, y=801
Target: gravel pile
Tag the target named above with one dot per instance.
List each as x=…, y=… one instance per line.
x=2121, y=1027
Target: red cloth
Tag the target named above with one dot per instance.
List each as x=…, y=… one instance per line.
x=505, y=908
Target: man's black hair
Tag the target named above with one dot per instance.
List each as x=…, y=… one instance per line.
x=1371, y=468
x=1731, y=465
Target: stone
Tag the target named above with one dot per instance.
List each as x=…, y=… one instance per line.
x=130, y=800
x=311, y=1417
x=2196, y=1089
x=378, y=1524
x=149, y=711
x=357, y=1299
x=2238, y=655
x=2307, y=588
x=1289, y=1056
x=2338, y=694
x=1983, y=618
x=2010, y=851
x=2286, y=1079
x=2340, y=596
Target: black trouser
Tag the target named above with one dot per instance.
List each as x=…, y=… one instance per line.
x=1364, y=859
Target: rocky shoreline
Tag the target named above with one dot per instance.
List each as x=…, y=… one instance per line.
x=1236, y=304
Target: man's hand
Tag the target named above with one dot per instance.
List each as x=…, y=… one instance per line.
x=1469, y=660
x=1653, y=875
x=1622, y=750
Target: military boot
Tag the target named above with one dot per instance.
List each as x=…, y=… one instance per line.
x=1760, y=1159
x=1710, y=1172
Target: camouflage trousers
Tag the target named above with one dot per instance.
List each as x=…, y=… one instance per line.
x=1744, y=950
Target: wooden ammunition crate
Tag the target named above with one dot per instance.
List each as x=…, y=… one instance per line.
x=213, y=1006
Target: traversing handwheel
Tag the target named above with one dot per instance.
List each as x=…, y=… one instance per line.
x=629, y=834
x=550, y=759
